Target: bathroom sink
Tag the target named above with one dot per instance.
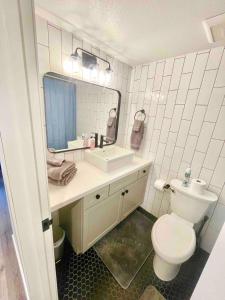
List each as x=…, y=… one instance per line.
x=109, y=158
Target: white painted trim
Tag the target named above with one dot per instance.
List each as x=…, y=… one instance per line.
x=20, y=267
x=207, y=24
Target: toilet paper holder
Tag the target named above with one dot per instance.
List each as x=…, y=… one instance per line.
x=168, y=187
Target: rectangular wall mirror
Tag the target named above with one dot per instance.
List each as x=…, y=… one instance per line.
x=76, y=112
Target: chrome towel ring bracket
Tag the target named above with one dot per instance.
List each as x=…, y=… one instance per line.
x=112, y=110
x=142, y=112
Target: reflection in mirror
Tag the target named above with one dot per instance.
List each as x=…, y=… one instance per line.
x=78, y=113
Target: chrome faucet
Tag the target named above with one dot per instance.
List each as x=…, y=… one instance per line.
x=102, y=140
x=96, y=138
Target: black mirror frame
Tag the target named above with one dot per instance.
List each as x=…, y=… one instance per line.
x=73, y=80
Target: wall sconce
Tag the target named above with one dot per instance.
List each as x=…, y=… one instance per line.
x=89, y=62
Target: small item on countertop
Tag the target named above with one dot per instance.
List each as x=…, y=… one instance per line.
x=92, y=142
x=57, y=162
x=137, y=134
x=111, y=129
x=85, y=138
x=61, y=175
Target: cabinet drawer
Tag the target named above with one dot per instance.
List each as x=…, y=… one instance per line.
x=96, y=197
x=143, y=172
x=121, y=183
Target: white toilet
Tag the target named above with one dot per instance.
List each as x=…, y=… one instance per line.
x=173, y=236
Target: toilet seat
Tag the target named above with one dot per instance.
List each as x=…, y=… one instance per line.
x=173, y=239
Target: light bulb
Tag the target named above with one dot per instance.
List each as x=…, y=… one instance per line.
x=101, y=77
x=107, y=77
x=86, y=73
x=71, y=65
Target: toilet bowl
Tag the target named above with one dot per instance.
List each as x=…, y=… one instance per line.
x=174, y=241
x=173, y=236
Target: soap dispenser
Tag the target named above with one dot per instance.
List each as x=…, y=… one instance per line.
x=187, y=176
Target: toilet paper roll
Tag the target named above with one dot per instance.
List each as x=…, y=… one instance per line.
x=198, y=185
x=159, y=184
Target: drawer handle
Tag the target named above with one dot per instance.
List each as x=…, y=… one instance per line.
x=123, y=193
x=144, y=171
x=126, y=191
x=98, y=196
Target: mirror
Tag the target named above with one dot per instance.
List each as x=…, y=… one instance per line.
x=78, y=113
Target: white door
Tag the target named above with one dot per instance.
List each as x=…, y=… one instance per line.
x=133, y=196
x=23, y=149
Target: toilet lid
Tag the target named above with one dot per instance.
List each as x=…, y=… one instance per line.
x=173, y=239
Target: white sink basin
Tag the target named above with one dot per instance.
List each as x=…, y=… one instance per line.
x=109, y=158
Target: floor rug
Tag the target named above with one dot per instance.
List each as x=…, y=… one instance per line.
x=125, y=249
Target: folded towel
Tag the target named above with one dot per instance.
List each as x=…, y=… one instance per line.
x=65, y=180
x=111, y=129
x=58, y=173
x=137, y=135
x=57, y=162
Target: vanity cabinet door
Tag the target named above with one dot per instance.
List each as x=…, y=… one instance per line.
x=133, y=196
x=100, y=219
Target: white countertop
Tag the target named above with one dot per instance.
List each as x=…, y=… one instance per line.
x=211, y=285
x=87, y=180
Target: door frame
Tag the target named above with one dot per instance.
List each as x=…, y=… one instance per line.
x=23, y=149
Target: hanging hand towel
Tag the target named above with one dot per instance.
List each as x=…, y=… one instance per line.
x=111, y=129
x=137, y=134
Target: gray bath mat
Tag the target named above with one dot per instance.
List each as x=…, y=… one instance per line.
x=125, y=249
x=151, y=293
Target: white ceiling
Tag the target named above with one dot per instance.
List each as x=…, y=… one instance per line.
x=139, y=31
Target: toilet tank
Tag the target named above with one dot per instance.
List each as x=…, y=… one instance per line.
x=188, y=204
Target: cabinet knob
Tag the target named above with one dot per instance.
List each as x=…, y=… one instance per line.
x=126, y=191
x=123, y=193
x=144, y=171
x=98, y=196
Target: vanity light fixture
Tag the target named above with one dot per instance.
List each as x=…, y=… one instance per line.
x=89, y=62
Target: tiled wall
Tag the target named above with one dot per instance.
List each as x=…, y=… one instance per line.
x=55, y=45
x=185, y=126
x=93, y=106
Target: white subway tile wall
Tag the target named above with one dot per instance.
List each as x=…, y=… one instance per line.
x=93, y=106
x=184, y=98
x=54, y=46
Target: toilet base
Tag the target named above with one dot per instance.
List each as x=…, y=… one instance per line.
x=164, y=270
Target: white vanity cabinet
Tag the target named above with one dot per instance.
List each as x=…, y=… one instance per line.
x=99, y=219
x=133, y=196
x=91, y=217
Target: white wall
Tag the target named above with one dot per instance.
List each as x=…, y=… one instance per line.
x=185, y=126
x=55, y=45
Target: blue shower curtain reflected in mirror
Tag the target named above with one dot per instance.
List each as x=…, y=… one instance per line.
x=60, y=112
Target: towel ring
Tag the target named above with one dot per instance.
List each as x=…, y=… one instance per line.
x=112, y=109
x=140, y=111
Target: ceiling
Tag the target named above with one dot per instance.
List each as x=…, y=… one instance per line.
x=138, y=31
